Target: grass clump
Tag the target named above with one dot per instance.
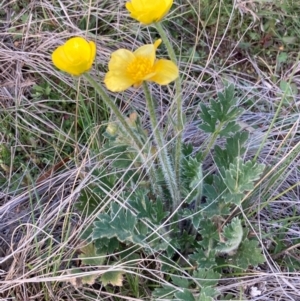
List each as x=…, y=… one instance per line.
x=181, y=192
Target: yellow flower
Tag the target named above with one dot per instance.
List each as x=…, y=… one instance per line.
x=126, y=68
x=148, y=11
x=76, y=56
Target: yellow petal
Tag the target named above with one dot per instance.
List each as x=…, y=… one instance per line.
x=117, y=82
x=77, y=49
x=165, y=72
x=92, y=53
x=61, y=61
x=75, y=56
x=167, y=7
x=119, y=60
x=157, y=43
x=59, y=58
x=148, y=11
x=146, y=51
x=133, y=8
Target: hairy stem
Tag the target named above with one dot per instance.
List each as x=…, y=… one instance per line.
x=162, y=151
x=129, y=131
x=114, y=108
x=178, y=99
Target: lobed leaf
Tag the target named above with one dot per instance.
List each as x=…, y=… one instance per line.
x=204, y=259
x=240, y=177
x=248, y=254
x=121, y=224
x=233, y=234
x=234, y=148
x=89, y=256
x=206, y=277
x=222, y=113
x=186, y=295
x=114, y=278
x=207, y=294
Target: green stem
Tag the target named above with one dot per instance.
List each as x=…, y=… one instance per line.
x=115, y=109
x=129, y=131
x=212, y=141
x=166, y=41
x=178, y=99
x=162, y=151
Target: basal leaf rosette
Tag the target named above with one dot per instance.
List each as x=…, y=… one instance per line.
x=148, y=11
x=75, y=57
x=126, y=68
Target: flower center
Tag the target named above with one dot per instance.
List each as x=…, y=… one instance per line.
x=140, y=68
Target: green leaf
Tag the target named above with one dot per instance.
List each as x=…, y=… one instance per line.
x=112, y=151
x=234, y=148
x=207, y=294
x=289, y=90
x=204, y=259
x=171, y=249
x=114, y=278
x=233, y=234
x=215, y=205
x=89, y=279
x=186, y=295
x=196, y=219
x=122, y=162
x=106, y=245
x=208, y=230
x=233, y=198
x=206, y=277
x=81, y=280
x=89, y=256
x=87, y=233
x=120, y=154
x=92, y=195
x=112, y=245
x=210, y=237
x=221, y=111
x=47, y=90
x=153, y=212
x=226, y=101
x=204, y=297
x=240, y=177
x=209, y=123
x=187, y=150
x=164, y=292
x=289, y=39
x=230, y=128
x=207, y=128
x=192, y=178
x=147, y=209
x=185, y=238
x=180, y=282
x=121, y=224
x=282, y=57
x=248, y=254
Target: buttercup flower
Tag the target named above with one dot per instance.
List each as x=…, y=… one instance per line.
x=148, y=11
x=76, y=56
x=126, y=68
